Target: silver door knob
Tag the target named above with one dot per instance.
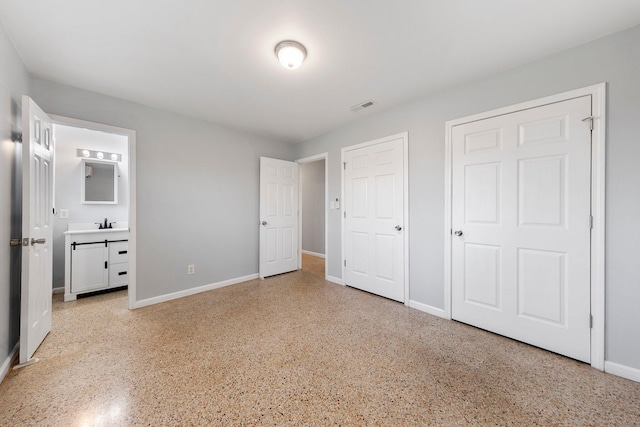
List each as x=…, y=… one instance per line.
x=264, y=223
x=458, y=233
x=398, y=228
x=38, y=241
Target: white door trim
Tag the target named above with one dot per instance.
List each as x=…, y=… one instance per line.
x=405, y=234
x=131, y=136
x=310, y=159
x=598, y=96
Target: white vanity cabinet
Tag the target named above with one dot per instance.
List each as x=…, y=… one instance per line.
x=95, y=260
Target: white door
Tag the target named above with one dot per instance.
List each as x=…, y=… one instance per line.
x=374, y=218
x=37, y=228
x=278, y=216
x=521, y=226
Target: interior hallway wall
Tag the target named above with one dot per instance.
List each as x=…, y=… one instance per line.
x=313, y=206
x=14, y=82
x=614, y=59
x=197, y=189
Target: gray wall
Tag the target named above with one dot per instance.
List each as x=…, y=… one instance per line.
x=615, y=60
x=67, y=185
x=313, y=206
x=14, y=82
x=197, y=189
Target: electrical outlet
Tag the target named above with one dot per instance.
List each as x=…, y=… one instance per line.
x=64, y=213
x=191, y=269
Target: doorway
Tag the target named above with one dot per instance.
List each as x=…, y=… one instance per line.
x=313, y=204
x=77, y=142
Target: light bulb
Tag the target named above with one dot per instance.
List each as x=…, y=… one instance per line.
x=100, y=155
x=114, y=157
x=86, y=153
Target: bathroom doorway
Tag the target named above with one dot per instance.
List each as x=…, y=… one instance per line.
x=313, y=203
x=94, y=199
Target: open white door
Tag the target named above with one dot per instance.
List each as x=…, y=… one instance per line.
x=37, y=228
x=278, y=216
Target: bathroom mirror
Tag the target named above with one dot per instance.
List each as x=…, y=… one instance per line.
x=99, y=182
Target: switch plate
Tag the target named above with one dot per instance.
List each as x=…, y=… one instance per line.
x=191, y=269
x=64, y=213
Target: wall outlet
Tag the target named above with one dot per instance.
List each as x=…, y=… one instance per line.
x=191, y=269
x=64, y=213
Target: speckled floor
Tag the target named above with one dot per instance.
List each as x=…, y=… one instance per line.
x=296, y=350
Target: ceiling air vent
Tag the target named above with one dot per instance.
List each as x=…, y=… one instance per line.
x=362, y=105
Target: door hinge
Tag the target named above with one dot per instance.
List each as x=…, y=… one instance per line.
x=345, y=214
x=105, y=264
x=345, y=262
x=590, y=120
x=591, y=321
x=590, y=222
x=344, y=165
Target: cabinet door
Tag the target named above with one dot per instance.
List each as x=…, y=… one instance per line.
x=88, y=268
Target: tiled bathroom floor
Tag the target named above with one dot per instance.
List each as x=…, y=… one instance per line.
x=296, y=350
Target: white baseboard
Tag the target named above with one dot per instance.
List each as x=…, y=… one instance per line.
x=623, y=371
x=428, y=309
x=334, y=280
x=58, y=290
x=313, y=253
x=4, y=369
x=193, y=291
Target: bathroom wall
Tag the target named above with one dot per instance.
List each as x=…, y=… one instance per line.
x=313, y=206
x=68, y=175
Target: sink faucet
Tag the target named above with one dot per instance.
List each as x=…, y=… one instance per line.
x=106, y=224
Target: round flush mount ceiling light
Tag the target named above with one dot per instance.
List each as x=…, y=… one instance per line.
x=290, y=54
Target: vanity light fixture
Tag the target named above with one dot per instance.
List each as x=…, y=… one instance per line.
x=100, y=155
x=290, y=54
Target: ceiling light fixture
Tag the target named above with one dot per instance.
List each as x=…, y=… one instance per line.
x=290, y=54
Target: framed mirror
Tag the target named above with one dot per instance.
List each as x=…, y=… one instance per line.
x=99, y=182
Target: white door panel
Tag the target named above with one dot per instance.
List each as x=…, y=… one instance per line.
x=374, y=207
x=278, y=216
x=521, y=197
x=37, y=211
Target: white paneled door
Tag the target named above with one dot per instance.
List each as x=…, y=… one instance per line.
x=37, y=228
x=374, y=217
x=278, y=216
x=521, y=214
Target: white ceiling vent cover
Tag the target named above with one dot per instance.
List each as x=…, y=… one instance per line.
x=362, y=105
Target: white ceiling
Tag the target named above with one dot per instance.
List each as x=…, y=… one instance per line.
x=214, y=59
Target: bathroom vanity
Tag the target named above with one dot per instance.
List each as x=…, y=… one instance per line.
x=95, y=259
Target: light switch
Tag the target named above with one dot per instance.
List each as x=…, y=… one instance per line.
x=64, y=213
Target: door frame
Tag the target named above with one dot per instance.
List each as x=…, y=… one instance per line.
x=405, y=208
x=323, y=156
x=598, y=112
x=131, y=137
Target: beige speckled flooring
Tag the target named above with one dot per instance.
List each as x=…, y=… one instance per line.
x=296, y=350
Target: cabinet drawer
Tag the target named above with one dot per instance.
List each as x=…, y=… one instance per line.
x=118, y=252
x=119, y=274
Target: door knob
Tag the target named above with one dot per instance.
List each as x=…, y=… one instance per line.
x=38, y=241
x=458, y=233
x=398, y=228
x=264, y=223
